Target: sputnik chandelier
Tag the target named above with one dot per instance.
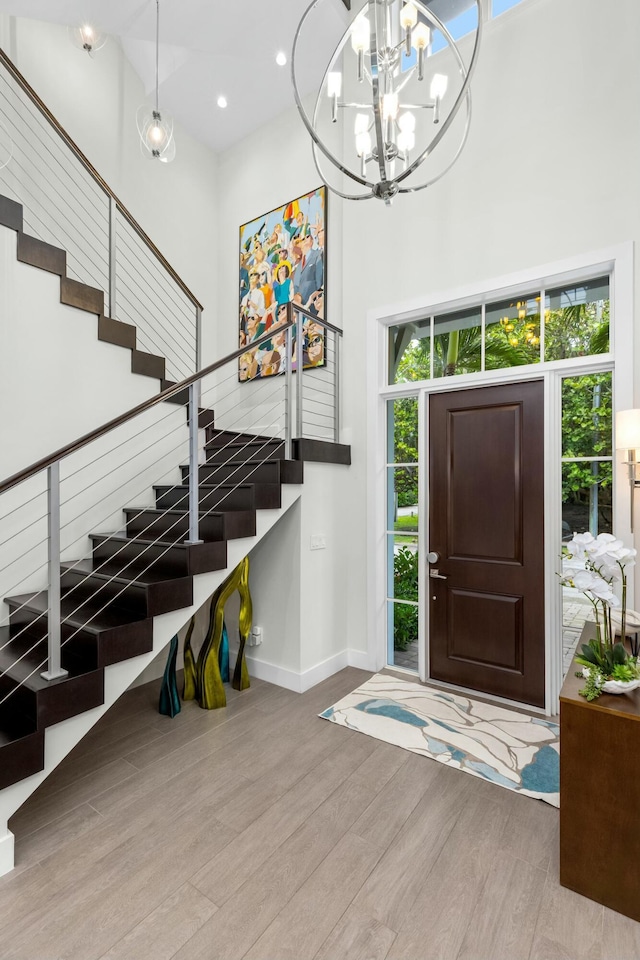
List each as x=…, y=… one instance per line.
x=156, y=129
x=386, y=99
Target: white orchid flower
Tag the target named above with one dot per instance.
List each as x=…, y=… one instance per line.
x=580, y=542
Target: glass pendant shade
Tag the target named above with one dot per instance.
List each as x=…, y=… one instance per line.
x=405, y=100
x=86, y=36
x=156, y=135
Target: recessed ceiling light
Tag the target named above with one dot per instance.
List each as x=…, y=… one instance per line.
x=222, y=102
x=281, y=59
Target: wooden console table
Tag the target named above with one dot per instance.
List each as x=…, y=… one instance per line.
x=600, y=794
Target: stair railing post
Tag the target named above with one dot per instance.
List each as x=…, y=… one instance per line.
x=113, y=217
x=299, y=365
x=54, y=669
x=336, y=353
x=194, y=465
x=198, y=338
x=288, y=387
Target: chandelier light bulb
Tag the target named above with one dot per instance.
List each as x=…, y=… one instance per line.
x=281, y=59
x=421, y=38
x=389, y=106
x=222, y=102
x=408, y=16
x=407, y=122
x=408, y=20
x=334, y=87
x=439, y=85
x=360, y=41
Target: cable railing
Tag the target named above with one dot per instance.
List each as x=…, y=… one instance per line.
x=68, y=204
x=63, y=573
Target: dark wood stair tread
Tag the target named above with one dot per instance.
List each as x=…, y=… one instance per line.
x=138, y=578
x=90, y=617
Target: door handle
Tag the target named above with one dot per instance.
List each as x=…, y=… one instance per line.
x=436, y=576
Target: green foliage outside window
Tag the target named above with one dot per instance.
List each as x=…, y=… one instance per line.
x=405, y=584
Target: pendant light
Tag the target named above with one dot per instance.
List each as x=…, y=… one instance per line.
x=155, y=128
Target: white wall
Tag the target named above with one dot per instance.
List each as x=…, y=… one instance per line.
x=95, y=100
x=550, y=171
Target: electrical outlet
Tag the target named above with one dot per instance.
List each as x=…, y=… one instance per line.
x=318, y=543
x=255, y=637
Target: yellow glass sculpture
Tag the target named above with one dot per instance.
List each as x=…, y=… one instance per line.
x=202, y=679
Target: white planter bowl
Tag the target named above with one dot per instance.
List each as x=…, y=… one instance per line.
x=615, y=686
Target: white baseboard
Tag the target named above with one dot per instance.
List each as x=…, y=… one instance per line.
x=6, y=853
x=299, y=682
x=363, y=660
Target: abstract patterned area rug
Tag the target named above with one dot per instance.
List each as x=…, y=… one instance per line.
x=512, y=749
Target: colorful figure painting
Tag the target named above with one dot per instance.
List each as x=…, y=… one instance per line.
x=282, y=260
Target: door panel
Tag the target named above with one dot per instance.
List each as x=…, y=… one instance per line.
x=486, y=522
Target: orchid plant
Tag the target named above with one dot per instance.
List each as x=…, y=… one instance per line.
x=604, y=582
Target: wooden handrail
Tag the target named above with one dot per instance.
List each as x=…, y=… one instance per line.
x=86, y=163
x=76, y=445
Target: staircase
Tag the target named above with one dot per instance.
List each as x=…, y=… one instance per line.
x=110, y=599
x=128, y=584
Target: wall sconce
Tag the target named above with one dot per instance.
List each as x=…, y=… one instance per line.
x=628, y=438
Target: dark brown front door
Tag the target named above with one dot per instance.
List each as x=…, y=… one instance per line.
x=486, y=523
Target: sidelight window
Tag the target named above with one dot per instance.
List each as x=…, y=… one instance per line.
x=402, y=533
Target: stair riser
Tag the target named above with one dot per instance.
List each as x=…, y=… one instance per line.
x=273, y=450
x=109, y=646
x=177, y=561
x=223, y=498
x=78, y=587
x=273, y=471
x=172, y=528
x=220, y=438
x=21, y=759
x=22, y=701
x=79, y=649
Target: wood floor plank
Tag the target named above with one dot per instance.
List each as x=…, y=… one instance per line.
x=356, y=938
x=291, y=765
x=531, y=831
x=436, y=926
x=128, y=885
x=69, y=828
x=388, y=894
x=504, y=919
x=620, y=937
x=386, y=815
x=166, y=929
x=308, y=918
x=247, y=914
x=569, y=926
x=220, y=879
x=43, y=807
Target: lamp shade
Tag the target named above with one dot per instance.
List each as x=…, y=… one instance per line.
x=628, y=430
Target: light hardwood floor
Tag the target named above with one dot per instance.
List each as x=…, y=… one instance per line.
x=261, y=831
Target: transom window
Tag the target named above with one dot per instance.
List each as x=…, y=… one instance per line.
x=529, y=328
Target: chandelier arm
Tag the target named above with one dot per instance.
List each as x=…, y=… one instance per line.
x=375, y=84
x=339, y=193
x=465, y=135
x=303, y=114
x=466, y=73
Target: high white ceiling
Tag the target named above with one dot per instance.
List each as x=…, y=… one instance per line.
x=207, y=48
